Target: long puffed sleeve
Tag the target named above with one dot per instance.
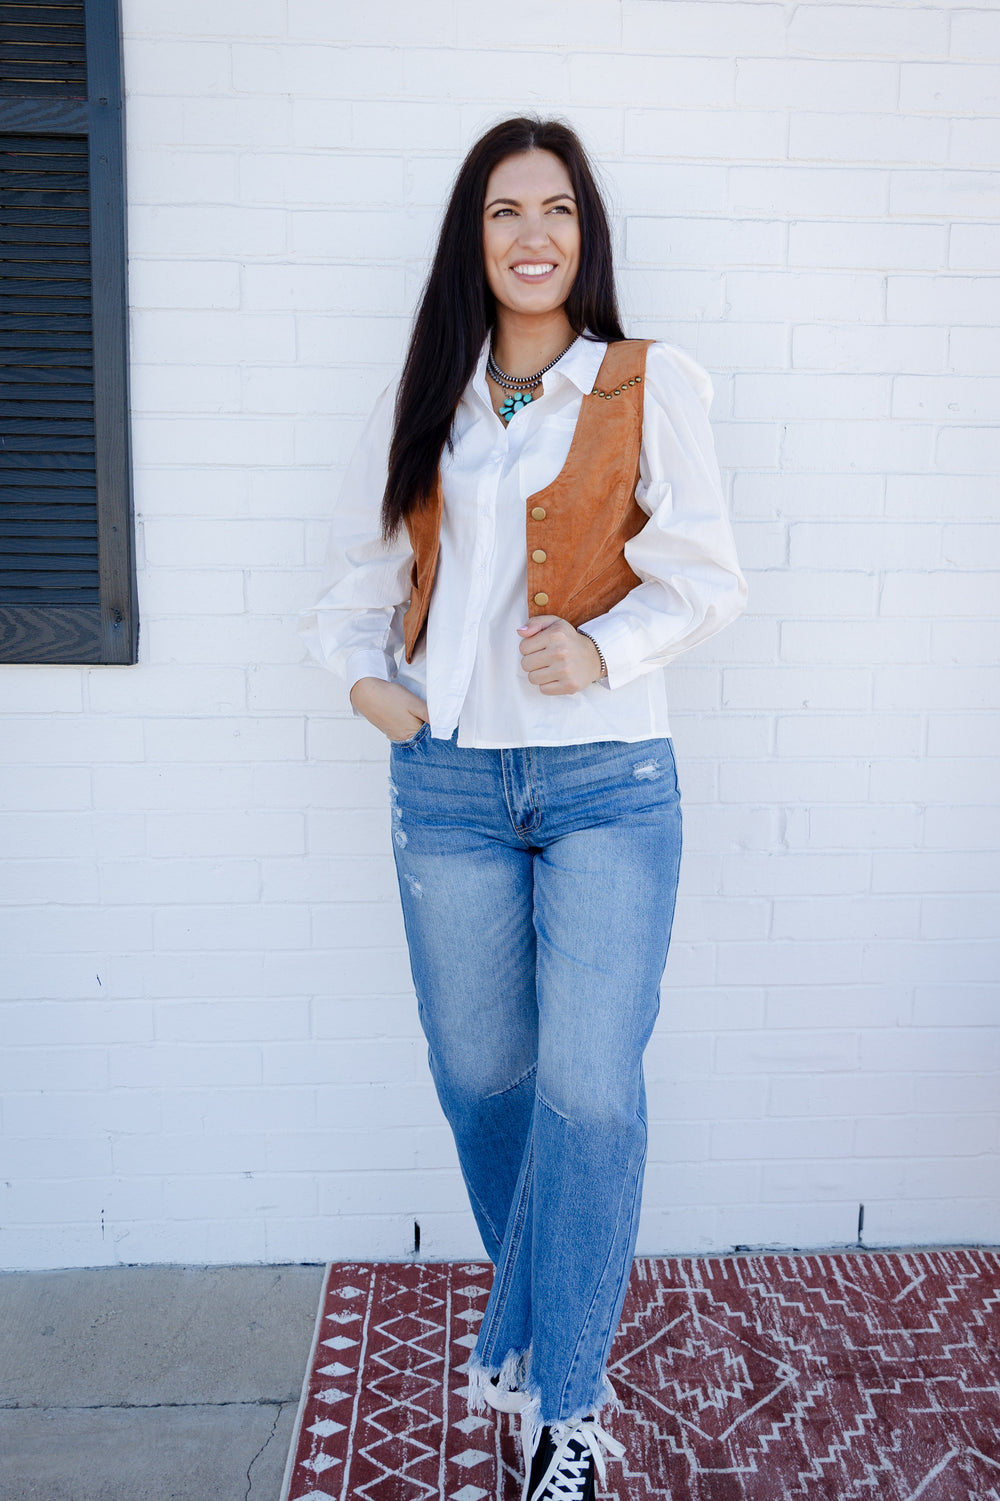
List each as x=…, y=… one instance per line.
x=354, y=628
x=685, y=555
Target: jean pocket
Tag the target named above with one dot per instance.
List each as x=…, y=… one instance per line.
x=413, y=739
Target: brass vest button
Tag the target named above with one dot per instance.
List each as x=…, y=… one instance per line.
x=541, y=599
x=538, y=556
x=538, y=513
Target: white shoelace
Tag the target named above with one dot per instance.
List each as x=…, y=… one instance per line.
x=566, y=1476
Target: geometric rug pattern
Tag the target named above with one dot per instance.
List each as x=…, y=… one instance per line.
x=863, y=1374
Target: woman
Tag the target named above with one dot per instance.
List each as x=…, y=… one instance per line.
x=531, y=527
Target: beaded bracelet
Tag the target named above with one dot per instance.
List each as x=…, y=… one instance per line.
x=604, y=665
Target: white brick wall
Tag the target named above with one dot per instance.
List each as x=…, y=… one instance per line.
x=210, y=1046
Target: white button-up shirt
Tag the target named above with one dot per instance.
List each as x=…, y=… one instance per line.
x=468, y=666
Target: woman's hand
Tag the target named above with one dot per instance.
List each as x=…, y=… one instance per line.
x=390, y=707
x=556, y=657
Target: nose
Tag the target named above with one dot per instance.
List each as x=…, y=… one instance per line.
x=533, y=231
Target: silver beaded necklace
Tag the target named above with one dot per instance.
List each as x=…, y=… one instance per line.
x=521, y=385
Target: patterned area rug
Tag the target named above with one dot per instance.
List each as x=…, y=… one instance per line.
x=743, y=1378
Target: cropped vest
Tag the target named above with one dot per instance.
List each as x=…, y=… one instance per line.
x=577, y=527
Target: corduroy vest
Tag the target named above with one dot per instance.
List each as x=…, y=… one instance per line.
x=577, y=527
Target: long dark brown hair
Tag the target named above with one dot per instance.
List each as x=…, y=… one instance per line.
x=457, y=309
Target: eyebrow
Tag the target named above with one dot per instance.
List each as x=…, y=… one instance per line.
x=514, y=203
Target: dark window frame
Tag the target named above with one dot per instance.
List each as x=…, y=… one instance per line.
x=106, y=632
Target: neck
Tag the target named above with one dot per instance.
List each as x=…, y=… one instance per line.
x=522, y=344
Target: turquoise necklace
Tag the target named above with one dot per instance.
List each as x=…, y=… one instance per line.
x=521, y=385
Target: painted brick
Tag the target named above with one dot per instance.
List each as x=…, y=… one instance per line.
x=846, y=296
x=792, y=1052
x=259, y=69
x=44, y=741
x=243, y=928
x=216, y=337
x=694, y=189
x=974, y=247
x=874, y=447
x=868, y=31
x=943, y=299
x=704, y=242
x=975, y=34
x=75, y=930
x=182, y=176
x=796, y=192
x=238, y=122
x=935, y=779
x=227, y=18
x=944, y=195
x=50, y=690
x=224, y=739
x=969, y=641
x=61, y=880
x=871, y=641
x=762, y=496
x=219, y=231
x=866, y=138
x=871, y=546
x=863, y=828
x=257, y=832
x=973, y=142
x=192, y=67
x=314, y=20
x=796, y=688
x=780, y=1139
x=939, y=594
x=188, y=389
x=874, y=735
x=786, y=397
x=972, y=450
x=848, y=348
x=936, y=88
x=540, y=78
x=867, y=246
x=798, y=84
x=690, y=27
x=721, y=134
x=700, y=82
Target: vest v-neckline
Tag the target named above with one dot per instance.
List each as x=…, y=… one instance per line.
x=584, y=418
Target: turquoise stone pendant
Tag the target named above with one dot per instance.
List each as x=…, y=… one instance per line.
x=514, y=404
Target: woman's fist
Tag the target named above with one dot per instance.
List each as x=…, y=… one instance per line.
x=390, y=707
x=556, y=657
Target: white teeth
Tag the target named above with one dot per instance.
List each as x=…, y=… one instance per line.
x=536, y=270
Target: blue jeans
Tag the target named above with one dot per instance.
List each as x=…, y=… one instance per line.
x=538, y=889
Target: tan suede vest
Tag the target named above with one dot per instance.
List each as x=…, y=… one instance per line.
x=577, y=527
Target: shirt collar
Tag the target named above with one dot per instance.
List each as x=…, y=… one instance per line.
x=579, y=364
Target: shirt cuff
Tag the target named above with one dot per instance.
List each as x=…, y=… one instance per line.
x=615, y=642
x=368, y=663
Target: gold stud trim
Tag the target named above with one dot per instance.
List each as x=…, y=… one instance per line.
x=610, y=395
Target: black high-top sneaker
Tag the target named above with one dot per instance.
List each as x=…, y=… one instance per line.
x=565, y=1458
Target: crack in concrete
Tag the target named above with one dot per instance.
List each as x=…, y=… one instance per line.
x=270, y=1436
x=279, y=1402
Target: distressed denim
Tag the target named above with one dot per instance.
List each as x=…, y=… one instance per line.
x=538, y=888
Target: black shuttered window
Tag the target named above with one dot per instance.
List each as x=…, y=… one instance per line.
x=67, y=564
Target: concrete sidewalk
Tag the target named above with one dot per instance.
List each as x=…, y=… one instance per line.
x=151, y=1383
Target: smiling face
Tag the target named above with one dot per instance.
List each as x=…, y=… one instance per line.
x=531, y=233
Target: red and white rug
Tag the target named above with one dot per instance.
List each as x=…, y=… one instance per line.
x=873, y=1375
